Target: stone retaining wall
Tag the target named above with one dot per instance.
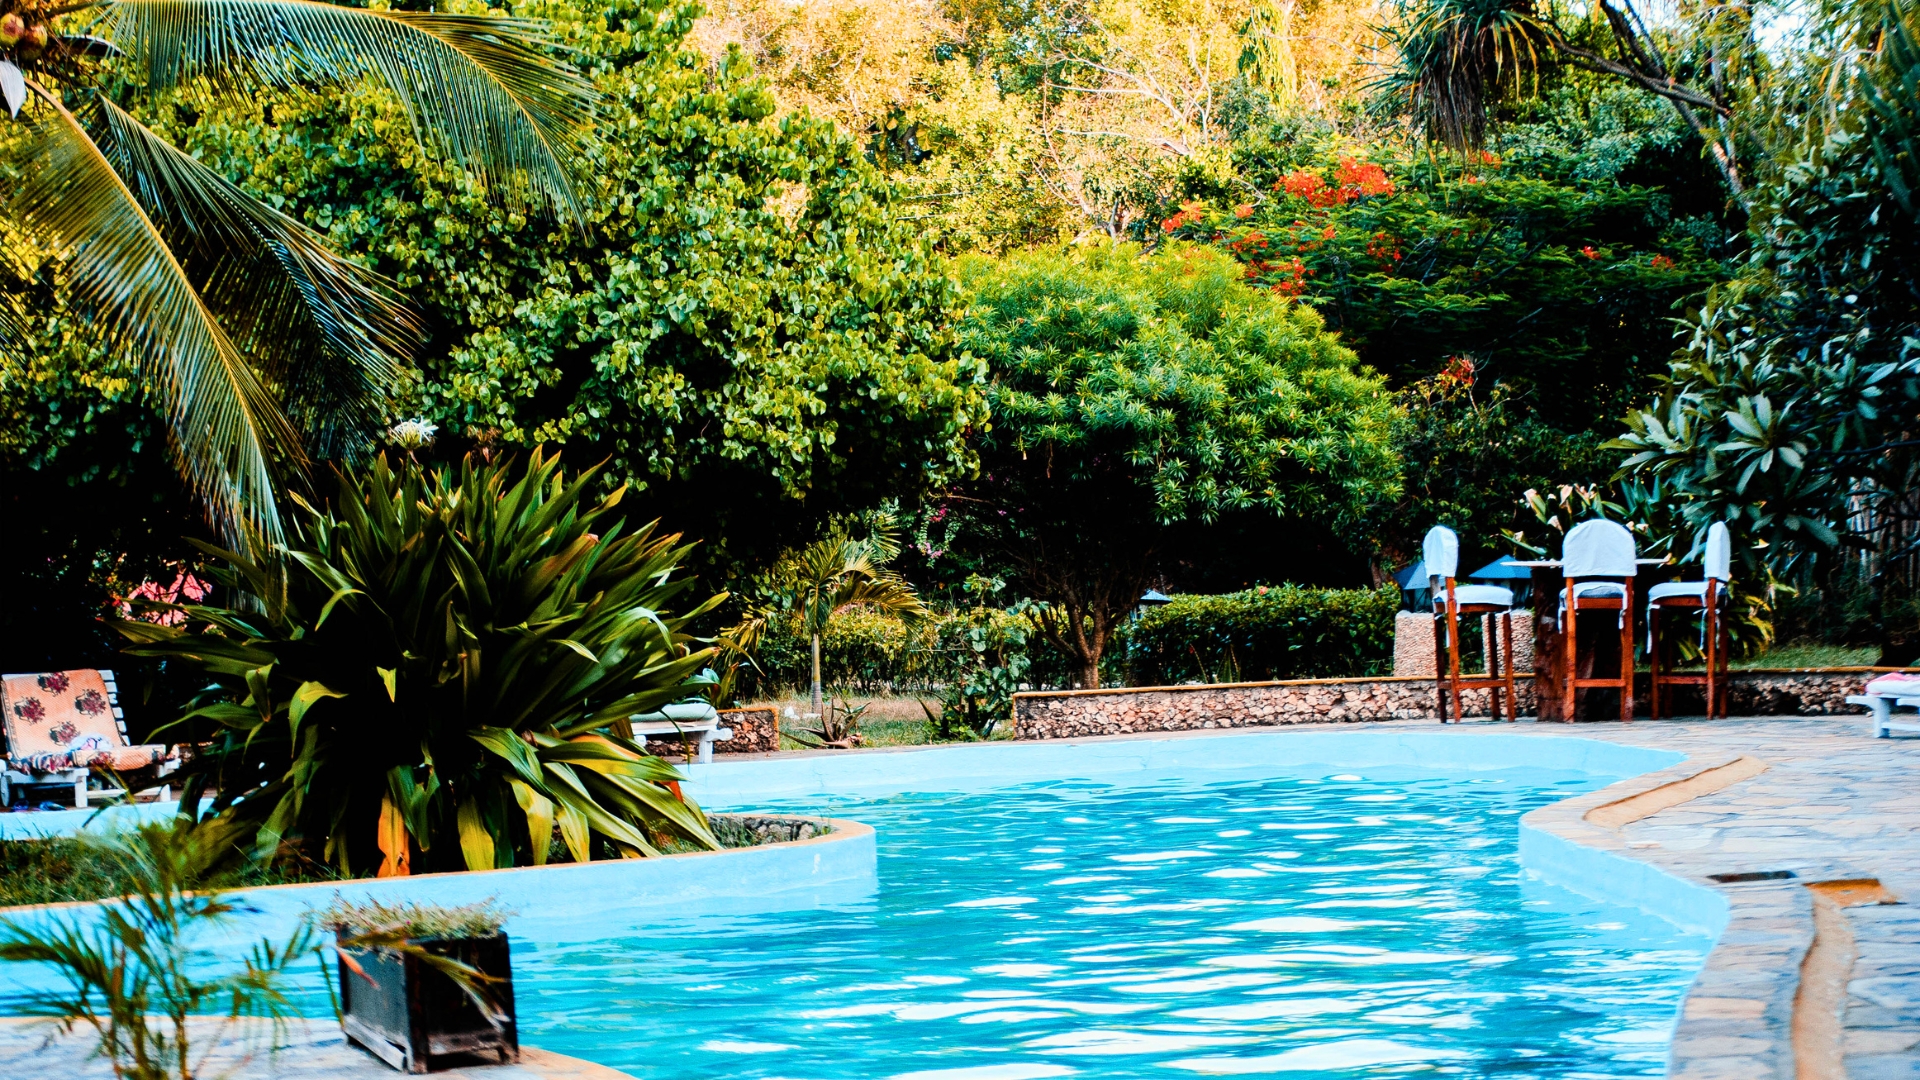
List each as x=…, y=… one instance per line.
x=755, y=731
x=749, y=830
x=1075, y=713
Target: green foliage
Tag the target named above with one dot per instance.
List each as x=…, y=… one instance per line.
x=241, y=321
x=1135, y=392
x=135, y=970
x=367, y=919
x=440, y=672
x=993, y=665
x=1285, y=632
x=1467, y=454
x=741, y=324
x=1793, y=412
x=62, y=870
x=1562, y=287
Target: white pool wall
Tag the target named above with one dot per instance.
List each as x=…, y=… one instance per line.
x=983, y=766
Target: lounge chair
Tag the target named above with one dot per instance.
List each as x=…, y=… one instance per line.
x=686, y=720
x=1881, y=695
x=61, y=726
x=1441, y=553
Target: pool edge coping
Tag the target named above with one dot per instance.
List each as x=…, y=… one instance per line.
x=843, y=829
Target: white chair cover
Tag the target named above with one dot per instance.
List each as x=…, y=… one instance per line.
x=1598, y=548
x=1482, y=594
x=1719, y=563
x=1441, y=552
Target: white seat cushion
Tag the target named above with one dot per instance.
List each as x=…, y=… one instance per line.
x=1598, y=589
x=1479, y=594
x=1695, y=589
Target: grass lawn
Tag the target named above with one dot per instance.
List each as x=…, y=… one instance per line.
x=888, y=721
x=1807, y=656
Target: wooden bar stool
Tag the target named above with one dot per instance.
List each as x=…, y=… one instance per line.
x=1597, y=564
x=1441, y=553
x=1704, y=596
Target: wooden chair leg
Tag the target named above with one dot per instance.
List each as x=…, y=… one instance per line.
x=1626, y=654
x=1453, y=659
x=1568, y=691
x=1653, y=661
x=1439, y=669
x=1711, y=625
x=1513, y=698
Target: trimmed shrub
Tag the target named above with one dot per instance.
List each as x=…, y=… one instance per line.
x=1282, y=632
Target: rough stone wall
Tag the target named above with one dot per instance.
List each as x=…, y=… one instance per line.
x=755, y=731
x=748, y=830
x=1187, y=708
x=1413, y=643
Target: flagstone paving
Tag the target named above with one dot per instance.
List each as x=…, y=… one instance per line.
x=303, y=1051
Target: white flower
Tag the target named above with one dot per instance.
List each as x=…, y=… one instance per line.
x=413, y=434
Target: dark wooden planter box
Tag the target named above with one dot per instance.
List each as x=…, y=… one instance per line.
x=415, y=1019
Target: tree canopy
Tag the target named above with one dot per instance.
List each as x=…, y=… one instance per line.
x=1135, y=392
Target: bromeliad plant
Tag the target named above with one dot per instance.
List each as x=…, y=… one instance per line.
x=441, y=671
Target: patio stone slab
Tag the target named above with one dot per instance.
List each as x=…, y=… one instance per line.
x=304, y=1051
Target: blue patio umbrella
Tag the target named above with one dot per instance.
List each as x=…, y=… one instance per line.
x=1504, y=568
x=1413, y=577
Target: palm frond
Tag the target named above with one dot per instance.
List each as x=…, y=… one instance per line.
x=226, y=429
x=325, y=331
x=478, y=90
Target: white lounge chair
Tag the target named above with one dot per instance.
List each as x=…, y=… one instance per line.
x=1881, y=695
x=688, y=719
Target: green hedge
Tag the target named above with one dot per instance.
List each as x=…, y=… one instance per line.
x=867, y=653
x=1284, y=632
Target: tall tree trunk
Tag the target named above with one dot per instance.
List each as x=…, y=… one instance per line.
x=816, y=676
x=1090, y=673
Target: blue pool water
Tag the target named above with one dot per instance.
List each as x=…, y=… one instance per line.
x=1328, y=925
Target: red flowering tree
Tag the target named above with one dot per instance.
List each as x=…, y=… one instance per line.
x=1562, y=291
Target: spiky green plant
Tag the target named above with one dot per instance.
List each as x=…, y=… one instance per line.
x=256, y=341
x=441, y=671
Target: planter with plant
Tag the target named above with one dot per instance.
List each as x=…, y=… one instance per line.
x=424, y=987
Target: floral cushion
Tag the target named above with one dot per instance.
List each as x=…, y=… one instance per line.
x=64, y=720
x=1897, y=684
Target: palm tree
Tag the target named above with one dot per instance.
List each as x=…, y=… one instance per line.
x=839, y=573
x=1453, y=60
x=257, y=343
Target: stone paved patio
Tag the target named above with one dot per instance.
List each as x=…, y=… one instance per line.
x=307, y=1051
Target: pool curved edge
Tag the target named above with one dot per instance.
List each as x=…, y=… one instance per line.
x=1737, y=1016
x=838, y=867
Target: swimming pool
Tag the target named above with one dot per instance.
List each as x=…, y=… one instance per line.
x=1367, y=922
